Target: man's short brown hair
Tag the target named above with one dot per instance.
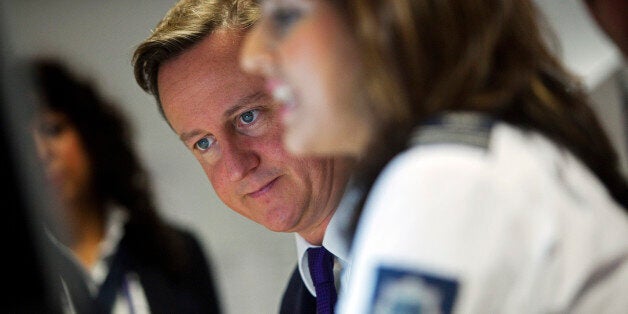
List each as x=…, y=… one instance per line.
x=184, y=25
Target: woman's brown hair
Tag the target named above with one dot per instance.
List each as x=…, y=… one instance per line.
x=426, y=57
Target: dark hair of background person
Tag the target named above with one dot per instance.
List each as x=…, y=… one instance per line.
x=118, y=176
x=423, y=58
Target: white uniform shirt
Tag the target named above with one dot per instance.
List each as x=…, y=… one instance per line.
x=522, y=227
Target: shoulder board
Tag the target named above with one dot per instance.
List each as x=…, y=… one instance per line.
x=466, y=128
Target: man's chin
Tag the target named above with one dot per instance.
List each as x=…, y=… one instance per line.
x=279, y=224
x=273, y=217
x=279, y=227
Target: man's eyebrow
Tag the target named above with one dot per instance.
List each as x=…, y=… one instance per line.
x=242, y=102
x=184, y=137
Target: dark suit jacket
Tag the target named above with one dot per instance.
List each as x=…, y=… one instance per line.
x=194, y=292
x=296, y=298
x=190, y=291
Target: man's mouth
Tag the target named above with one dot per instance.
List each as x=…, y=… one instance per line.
x=262, y=190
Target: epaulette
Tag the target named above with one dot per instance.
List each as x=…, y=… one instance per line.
x=466, y=128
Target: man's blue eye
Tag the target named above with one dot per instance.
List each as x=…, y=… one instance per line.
x=204, y=143
x=249, y=116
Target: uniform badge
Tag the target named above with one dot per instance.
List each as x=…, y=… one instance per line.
x=403, y=291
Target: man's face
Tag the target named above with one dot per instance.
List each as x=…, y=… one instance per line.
x=230, y=124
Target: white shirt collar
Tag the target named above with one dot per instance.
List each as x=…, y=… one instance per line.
x=115, y=221
x=116, y=218
x=335, y=240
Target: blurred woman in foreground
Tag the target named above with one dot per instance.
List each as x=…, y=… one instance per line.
x=491, y=186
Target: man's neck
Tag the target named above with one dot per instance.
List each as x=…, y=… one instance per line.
x=315, y=235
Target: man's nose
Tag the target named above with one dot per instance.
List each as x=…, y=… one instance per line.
x=240, y=160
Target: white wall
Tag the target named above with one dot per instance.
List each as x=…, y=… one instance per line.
x=252, y=263
x=586, y=49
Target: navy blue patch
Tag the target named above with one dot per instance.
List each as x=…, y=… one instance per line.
x=402, y=291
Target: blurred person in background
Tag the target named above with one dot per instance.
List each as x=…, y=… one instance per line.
x=117, y=255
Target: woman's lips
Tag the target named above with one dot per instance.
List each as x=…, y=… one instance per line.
x=284, y=95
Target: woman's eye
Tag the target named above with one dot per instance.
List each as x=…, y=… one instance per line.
x=248, y=117
x=283, y=18
x=205, y=143
x=52, y=129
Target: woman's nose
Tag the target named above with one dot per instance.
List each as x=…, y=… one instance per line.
x=256, y=55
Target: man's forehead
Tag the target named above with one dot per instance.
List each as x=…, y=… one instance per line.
x=217, y=52
x=211, y=66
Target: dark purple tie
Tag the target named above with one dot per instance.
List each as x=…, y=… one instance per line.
x=321, y=264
